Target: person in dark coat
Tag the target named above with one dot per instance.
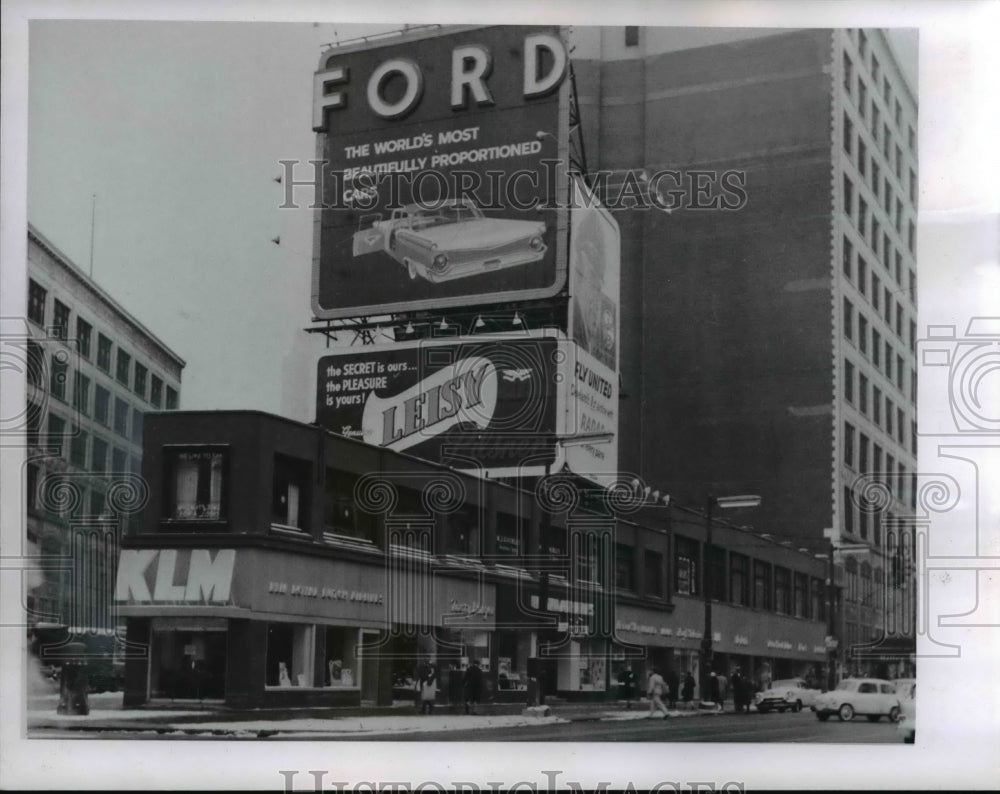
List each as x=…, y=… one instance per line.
x=673, y=684
x=473, y=683
x=738, y=690
x=687, y=691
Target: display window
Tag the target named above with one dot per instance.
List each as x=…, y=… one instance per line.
x=342, y=662
x=290, y=655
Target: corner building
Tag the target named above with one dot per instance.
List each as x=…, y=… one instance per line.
x=771, y=348
x=279, y=564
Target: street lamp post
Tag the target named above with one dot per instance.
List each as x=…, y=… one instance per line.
x=832, y=640
x=726, y=503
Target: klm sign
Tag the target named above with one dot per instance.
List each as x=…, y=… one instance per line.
x=158, y=576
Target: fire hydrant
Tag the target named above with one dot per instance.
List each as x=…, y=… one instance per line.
x=74, y=681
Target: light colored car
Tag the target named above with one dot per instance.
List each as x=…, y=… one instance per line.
x=451, y=241
x=789, y=694
x=873, y=697
x=906, y=689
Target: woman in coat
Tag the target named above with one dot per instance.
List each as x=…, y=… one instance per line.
x=428, y=689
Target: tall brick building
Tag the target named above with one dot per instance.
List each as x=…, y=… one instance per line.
x=771, y=348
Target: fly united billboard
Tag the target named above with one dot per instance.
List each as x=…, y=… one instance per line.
x=443, y=180
x=595, y=275
x=482, y=403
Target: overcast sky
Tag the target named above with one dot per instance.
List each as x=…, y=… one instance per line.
x=177, y=128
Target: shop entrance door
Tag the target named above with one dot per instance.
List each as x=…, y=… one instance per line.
x=188, y=665
x=369, y=666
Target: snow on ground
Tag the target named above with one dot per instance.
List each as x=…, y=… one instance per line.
x=311, y=727
x=112, y=715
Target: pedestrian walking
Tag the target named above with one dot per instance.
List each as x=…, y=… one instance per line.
x=626, y=686
x=687, y=691
x=723, y=691
x=673, y=684
x=655, y=688
x=473, y=685
x=714, y=695
x=739, y=691
x=427, y=687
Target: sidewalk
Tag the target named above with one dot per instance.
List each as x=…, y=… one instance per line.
x=107, y=715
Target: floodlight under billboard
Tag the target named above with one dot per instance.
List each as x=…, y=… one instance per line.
x=443, y=180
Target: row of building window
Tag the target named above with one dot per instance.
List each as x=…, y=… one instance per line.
x=882, y=354
x=870, y=230
x=878, y=239
x=132, y=375
x=92, y=501
x=880, y=408
x=892, y=158
x=866, y=457
x=198, y=491
x=867, y=58
x=106, y=408
x=85, y=450
x=881, y=297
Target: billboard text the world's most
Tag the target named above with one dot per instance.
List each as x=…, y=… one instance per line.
x=442, y=171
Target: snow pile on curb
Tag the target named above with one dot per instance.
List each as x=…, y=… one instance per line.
x=311, y=727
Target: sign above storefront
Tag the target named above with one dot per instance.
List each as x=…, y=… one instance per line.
x=180, y=576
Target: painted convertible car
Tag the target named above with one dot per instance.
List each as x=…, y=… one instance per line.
x=452, y=241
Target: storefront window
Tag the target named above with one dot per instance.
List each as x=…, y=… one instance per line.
x=686, y=566
x=799, y=595
x=717, y=572
x=782, y=590
x=585, y=554
x=196, y=484
x=554, y=541
x=508, y=539
x=761, y=585
x=513, y=650
x=341, y=665
x=817, y=603
x=461, y=533
x=624, y=567
x=739, y=579
x=340, y=514
x=290, y=494
x=654, y=573
x=593, y=665
x=289, y=655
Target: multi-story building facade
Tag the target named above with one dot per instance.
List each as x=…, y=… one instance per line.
x=93, y=371
x=768, y=344
x=278, y=563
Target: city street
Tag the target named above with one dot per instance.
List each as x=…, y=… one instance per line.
x=565, y=723
x=789, y=727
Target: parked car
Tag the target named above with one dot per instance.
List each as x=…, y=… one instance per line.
x=906, y=689
x=873, y=697
x=451, y=241
x=789, y=694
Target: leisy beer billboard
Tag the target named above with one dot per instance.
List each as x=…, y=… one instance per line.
x=443, y=171
x=490, y=403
